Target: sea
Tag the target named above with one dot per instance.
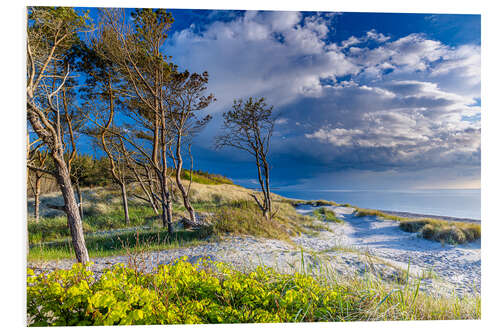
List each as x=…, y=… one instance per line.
x=450, y=202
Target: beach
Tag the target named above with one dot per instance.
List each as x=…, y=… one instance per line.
x=367, y=246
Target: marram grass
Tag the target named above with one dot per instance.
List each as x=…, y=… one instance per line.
x=432, y=229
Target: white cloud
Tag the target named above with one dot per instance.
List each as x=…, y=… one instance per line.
x=406, y=101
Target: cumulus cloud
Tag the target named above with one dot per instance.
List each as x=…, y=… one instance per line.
x=369, y=101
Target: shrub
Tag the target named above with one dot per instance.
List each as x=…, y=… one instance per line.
x=180, y=294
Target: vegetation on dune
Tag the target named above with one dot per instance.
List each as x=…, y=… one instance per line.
x=227, y=209
x=443, y=231
x=215, y=293
x=120, y=243
x=432, y=229
x=325, y=214
x=314, y=203
x=203, y=177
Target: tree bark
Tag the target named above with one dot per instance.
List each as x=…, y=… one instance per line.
x=166, y=212
x=125, y=202
x=80, y=199
x=178, y=171
x=37, y=197
x=71, y=207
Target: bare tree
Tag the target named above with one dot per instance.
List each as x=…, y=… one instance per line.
x=184, y=99
x=249, y=127
x=52, y=32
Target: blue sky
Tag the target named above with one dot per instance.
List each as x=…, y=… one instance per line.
x=365, y=100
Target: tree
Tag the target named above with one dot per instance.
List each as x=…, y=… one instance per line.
x=184, y=99
x=137, y=52
x=52, y=34
x=103, y=91
x=249, y=127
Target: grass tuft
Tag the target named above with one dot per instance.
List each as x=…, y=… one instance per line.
x=432, y=229
x=325, y=214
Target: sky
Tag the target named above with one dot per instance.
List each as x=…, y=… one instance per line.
x=363, y=100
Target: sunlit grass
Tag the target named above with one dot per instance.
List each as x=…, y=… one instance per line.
x=432, y=229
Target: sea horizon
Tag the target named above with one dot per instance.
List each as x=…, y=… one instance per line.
x=459, y=203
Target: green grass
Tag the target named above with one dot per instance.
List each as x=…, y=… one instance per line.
x=50, y=238
x=201, y=177
x=433, y=229
x=54, y=228
x=120, y=244
x=325, y=214
x=314, y=203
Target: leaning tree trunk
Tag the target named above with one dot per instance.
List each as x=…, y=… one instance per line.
x=125, y=202
x=70, y=207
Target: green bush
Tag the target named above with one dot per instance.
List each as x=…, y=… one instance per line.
x=180, y=294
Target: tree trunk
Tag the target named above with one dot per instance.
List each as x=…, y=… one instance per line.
x=178, y=171
x=125, y=202
x=267, y=193
x=71, y=207
x=37, y=198
x=80, y=199
x=166, y=212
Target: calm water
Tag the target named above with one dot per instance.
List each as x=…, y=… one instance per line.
x=454, y=203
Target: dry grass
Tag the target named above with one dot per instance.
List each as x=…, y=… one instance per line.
x=433, y=229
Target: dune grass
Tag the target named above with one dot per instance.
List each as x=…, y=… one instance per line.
x=120, y=244
x=433, y=229
x=243, y=217
x=325, y=214
x=229, y=208
x=314, y=203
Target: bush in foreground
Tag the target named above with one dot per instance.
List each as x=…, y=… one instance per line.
x=180, y=294
x=214, y=293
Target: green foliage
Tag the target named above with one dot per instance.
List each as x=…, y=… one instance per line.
x=210, y=292
x=180, y=294
x=325, y=214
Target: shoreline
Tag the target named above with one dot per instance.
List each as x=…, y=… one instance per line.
x=440, y=217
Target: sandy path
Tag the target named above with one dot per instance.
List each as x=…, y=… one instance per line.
x=458, y=265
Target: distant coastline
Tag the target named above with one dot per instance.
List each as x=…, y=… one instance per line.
x=457, y=205
x=446, y=218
